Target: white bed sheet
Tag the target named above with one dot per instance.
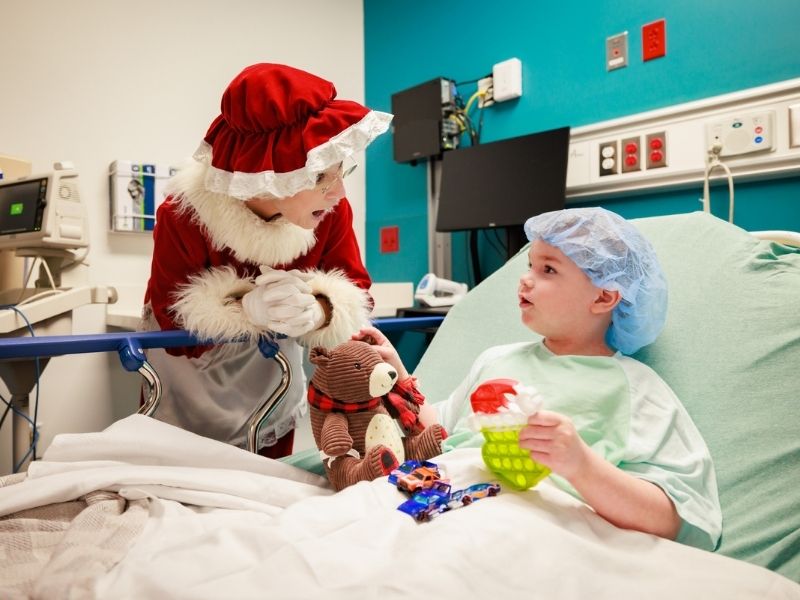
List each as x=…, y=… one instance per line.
x=227, y=524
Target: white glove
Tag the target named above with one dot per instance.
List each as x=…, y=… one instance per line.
x=270, y=275
x=283, y=303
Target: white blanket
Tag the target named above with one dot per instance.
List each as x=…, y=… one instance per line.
x=227, y=524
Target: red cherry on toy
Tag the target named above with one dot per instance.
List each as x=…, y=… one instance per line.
x=489, y=396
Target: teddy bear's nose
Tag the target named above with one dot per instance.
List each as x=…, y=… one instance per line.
x=393, y=374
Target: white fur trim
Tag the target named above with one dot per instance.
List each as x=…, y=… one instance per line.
x=230, y=224
x=270, y=184
x=206, y=307
x=350, y=309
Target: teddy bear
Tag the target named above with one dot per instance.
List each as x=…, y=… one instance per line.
x=354, y=398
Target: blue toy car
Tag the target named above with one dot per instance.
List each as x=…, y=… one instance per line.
x=475, y=492
x=431, y=502
x=428, y=503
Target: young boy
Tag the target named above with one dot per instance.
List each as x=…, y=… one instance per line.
x=611, y=430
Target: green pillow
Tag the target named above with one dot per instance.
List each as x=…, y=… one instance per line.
x=730, y=350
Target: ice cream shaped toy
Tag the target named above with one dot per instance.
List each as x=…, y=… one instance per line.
x=500, y=409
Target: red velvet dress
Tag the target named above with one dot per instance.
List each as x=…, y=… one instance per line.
x=206, y=254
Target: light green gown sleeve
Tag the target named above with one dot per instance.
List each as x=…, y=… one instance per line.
x=665, y=448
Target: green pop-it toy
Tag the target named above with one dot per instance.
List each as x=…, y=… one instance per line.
x=512, y=464
x=501, y=451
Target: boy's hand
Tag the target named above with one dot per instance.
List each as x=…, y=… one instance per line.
x=384, y=347
x=553, y=441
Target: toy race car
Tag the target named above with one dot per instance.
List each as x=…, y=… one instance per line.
x=406, y=468
x=475, y=492
x=413, y=476
x=431, y=502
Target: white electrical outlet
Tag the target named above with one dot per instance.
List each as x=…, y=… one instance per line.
x=507, y=79
x=743, y=134
x=486, y=85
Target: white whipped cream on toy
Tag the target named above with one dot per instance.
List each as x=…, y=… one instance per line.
x=524, y=402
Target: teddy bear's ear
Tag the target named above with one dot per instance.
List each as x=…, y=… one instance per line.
x=318, y=355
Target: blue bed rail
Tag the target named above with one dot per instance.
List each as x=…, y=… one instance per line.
x=131, y=347
x=135, y=342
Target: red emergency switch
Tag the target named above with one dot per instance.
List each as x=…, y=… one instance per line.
x=390, y=239
x=654, y=40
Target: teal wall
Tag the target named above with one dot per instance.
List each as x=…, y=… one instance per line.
x=713, y=47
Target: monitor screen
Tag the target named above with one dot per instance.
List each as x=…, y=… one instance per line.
x=22, y=206
x=503, y=183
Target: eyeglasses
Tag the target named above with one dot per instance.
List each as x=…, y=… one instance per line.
x=348, y=166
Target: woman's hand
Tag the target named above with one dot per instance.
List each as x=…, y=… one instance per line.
x=282, y=302
x=384, y=347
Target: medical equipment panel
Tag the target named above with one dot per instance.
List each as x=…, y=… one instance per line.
x=42, y=211
x=743, y=134
x=756, y=132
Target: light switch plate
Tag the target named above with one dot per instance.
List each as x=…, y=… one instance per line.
x=617, y=51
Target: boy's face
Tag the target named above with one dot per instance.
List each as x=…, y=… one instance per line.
x=308, y=208
x=555, y=295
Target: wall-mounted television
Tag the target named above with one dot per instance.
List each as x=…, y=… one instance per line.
x=503, y=183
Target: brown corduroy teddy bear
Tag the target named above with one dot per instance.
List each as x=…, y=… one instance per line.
x=353, y=398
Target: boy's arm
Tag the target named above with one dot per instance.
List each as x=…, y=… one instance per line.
x=617, y=496
x=625, y=500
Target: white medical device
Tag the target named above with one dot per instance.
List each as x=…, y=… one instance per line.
x=42, y=212
x=436, y=291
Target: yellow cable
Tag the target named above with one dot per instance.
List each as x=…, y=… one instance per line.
x=475, y=96
x=458, y=119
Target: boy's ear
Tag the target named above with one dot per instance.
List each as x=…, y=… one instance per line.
x=606, y=301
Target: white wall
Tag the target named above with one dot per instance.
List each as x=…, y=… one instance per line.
x=92, y=82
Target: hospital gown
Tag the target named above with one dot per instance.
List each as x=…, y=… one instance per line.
x=622, y=409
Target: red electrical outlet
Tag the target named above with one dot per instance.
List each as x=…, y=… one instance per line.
x=656, y=149
x=390, y=239
x=631, y=153
x=654, y=40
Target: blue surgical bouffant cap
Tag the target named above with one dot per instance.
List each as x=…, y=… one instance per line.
x=615, y=256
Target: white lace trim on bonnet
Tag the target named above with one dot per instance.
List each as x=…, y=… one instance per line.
x=245, y=186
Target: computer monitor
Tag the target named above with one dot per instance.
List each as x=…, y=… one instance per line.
x=42, y=211
x=503, y=183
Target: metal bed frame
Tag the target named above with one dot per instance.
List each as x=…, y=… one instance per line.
x=131, y=346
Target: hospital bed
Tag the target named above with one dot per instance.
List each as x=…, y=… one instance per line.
x=143, y=509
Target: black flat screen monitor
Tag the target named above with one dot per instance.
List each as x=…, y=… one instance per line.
x=503, y=183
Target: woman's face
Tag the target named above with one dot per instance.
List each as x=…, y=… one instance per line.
x=308, y=208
